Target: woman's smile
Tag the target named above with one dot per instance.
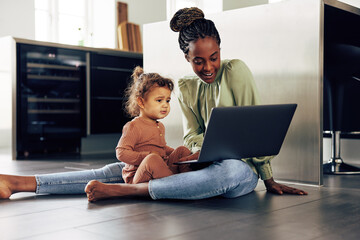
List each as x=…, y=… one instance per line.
x=207, y=76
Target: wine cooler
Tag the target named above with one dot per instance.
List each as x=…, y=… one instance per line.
x=50, y=100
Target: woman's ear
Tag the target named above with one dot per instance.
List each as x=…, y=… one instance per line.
x=140, y=102
x=187, y=57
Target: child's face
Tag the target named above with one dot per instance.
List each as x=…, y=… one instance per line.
x=156, y=103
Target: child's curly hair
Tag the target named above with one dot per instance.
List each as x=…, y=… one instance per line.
x=141, y=84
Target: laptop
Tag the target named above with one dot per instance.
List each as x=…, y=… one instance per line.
x=243, y=132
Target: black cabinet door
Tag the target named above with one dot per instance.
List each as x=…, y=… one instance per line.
x=109, y=77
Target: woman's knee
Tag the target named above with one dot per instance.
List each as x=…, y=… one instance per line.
x=240, y=178
x=234, y=171
x=246, y=186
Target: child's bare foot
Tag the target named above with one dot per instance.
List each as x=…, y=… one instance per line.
x=96, y=190
x=5, y=190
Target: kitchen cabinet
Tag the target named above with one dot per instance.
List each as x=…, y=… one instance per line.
x=110, y=76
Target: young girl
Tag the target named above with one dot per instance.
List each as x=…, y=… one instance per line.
x=142, y=145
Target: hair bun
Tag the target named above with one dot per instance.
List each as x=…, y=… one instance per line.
x=137, y=73
x=184, y=17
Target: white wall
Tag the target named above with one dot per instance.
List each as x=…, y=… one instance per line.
x=17, y=18
x=103, y=23
x=234, y=4
x=355, y=3
x=5, y=92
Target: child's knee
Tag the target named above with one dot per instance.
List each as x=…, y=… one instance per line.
x=152, y=159
x=183, y=151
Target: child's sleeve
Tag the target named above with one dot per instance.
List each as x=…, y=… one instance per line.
x=125, y=149
x=168, y=150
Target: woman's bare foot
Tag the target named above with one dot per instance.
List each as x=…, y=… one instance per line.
x=96, y=190
x=10, y=184
x=5, y=190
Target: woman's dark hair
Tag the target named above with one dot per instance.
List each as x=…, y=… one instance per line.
x=192, y=25
x=141, y=84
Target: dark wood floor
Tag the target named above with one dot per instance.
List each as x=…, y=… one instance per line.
x=329, y=212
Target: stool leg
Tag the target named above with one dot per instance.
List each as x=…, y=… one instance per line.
x=336, y=165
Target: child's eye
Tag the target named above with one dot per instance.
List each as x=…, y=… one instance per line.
x=168, y=101
x=158, y=100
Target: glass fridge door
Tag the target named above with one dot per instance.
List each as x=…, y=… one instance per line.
x=50, y=100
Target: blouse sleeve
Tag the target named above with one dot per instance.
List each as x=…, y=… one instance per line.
x=242, y=83
x=193, y=131
x=125, y=149
x=245, y=93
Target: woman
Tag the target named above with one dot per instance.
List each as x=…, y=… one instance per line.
x=215, y=85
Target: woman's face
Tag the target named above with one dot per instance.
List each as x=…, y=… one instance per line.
x=204, y=57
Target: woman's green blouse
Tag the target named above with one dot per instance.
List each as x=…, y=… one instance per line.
x=233, y=86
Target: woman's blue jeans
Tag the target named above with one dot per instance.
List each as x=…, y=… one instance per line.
x=228, y=178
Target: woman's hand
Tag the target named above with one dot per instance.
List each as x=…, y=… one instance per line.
x=274, y=187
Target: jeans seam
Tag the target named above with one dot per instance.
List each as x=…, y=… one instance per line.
x=81, y=181
x=37, y=184
x=151, y=192
x=152, y=195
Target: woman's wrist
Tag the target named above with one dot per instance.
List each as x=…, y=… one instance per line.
x=269, y=182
